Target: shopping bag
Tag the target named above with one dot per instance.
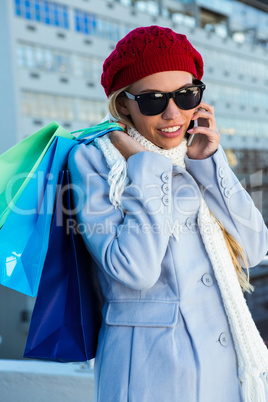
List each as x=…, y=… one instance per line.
x=67, y=313
x=98, y=130
x=19, y=163
x=24, y=236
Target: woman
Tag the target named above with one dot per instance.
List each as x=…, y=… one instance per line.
x=168, y=225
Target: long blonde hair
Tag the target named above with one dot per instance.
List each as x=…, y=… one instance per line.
x=235, y=249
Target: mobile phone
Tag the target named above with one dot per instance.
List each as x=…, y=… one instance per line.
x=191, y=136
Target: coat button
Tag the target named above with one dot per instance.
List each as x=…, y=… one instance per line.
x=207, y=280
x=223, y=339
x=223, y=182
x=227, y=193
x=221, y=172
x=165, y=188
x=189, y=223
x=165, y=200
x=165, y=177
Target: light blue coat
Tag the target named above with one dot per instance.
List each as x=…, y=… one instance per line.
x=165, y=335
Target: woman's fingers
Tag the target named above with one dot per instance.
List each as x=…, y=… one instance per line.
x=203, y=115
x=205, y=118
x=126, y=145
x=207, y=140
x=211, y=134
x=122, y=125
x=206, y=121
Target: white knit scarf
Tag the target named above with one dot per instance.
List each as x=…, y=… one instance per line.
x=251, y=352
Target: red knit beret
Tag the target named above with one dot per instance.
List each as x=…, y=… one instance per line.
x=148, y=50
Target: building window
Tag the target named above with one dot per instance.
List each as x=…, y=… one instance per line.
x=127, y=28
x=242, y=127
x=92, y=111
x=48, y=106
x=58, y=107
x=91, y=24
x=231, y=63
x=220, y=94
x=49, y=59
x=46, y=12
x=43, y=58
x=88, y=67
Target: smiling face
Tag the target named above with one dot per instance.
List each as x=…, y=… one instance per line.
x=167, y=129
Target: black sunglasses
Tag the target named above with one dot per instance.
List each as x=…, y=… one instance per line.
x=153, y=103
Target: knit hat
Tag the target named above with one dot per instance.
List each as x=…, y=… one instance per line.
x=148, y=50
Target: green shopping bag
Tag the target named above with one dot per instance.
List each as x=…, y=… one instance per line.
x=24, y=237
x=19, y=163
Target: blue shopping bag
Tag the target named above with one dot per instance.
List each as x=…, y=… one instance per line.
x=67, y=313
x=21, y=161
x=25, y=234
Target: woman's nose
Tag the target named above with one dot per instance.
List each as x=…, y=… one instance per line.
x=171, y=111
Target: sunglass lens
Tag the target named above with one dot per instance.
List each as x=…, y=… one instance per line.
x=152, y=104
x=189, y=99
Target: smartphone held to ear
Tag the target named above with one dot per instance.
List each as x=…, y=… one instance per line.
x=191, y=136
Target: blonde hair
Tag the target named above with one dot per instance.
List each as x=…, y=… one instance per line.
x=235, y=249
x=112, y=104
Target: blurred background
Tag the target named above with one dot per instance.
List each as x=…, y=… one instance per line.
x=51, y=62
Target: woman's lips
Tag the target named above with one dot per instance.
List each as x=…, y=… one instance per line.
x=171, y=134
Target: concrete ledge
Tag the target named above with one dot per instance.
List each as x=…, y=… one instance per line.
x=35, y=381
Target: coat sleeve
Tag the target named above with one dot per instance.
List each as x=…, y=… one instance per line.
x=231, y=204
x=129, y=248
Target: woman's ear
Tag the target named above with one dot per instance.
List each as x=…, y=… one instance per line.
x=122, y=106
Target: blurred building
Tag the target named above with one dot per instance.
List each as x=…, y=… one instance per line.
x=51, y=62
x=258, y=300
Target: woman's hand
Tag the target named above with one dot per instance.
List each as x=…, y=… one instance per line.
x=207, y=137
x=126, y=145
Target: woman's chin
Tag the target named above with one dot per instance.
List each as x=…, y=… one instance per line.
x=170, y=143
